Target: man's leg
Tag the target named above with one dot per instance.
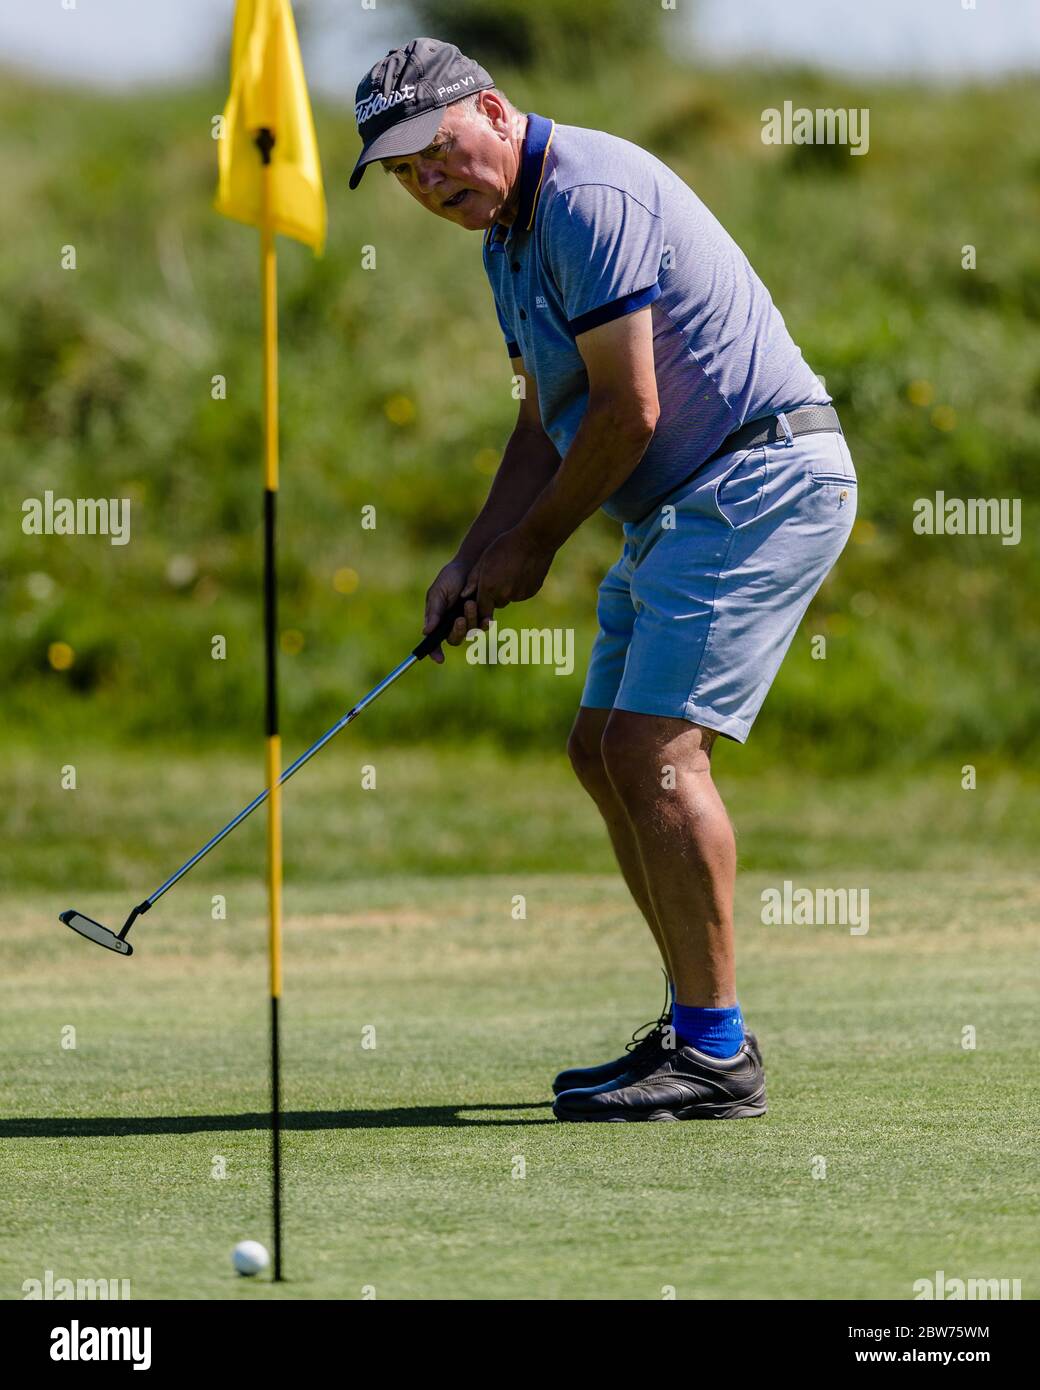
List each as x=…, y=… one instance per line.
x=685, y=844
x=714, y=603
x=584, y=747
x=660, y=770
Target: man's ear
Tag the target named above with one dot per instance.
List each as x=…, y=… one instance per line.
x=494, y=108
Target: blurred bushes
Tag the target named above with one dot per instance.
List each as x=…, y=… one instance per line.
x=396, y=395
x=561, y=35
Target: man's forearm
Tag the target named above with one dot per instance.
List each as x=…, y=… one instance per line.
x=603, y=453
x=528, y=463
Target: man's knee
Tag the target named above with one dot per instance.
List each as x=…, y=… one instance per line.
x=583, y=749
x=645, y=755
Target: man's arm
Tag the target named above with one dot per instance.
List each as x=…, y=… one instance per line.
x=614, y=433
x=528, y=462
x=617, y=427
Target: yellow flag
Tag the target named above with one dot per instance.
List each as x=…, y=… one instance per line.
x=268, y=90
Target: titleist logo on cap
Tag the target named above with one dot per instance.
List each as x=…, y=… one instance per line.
x=377, y=103
x=398, y=103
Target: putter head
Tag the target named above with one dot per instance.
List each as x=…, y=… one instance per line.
x=94, y=931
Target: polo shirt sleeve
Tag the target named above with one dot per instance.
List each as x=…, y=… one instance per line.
x=512, y=346
x=604, y=249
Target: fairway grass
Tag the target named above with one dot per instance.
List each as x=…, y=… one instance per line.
x=429, y=1165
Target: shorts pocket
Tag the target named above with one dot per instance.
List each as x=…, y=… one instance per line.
x=834, y=495
x=738, y=493
x=847, y=479
x=833, y=463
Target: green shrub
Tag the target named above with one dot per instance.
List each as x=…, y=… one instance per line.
x=565, y=35
x=105, y=390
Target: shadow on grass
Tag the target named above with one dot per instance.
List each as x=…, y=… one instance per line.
x=402, y=1117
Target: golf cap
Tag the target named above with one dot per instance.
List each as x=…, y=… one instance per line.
x=398, y=104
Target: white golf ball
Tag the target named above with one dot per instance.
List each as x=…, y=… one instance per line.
x=250, y=1257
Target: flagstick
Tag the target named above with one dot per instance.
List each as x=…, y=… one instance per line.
x=269, y=282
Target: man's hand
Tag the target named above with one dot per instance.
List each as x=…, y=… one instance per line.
x=440, y=596
x=513, y=568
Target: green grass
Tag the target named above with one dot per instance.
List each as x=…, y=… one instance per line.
x=399, y=1160
x=463, y=809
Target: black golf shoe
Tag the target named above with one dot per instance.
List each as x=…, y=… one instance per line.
x=640, y=1054
x=684, y=1085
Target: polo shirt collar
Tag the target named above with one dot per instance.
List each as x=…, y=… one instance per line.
x=537, y=140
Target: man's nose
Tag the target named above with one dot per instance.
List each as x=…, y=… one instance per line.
x=428, y=176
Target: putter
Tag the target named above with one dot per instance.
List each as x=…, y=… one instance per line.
x=116, y=941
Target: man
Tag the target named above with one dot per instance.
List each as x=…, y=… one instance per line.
x=661, y=385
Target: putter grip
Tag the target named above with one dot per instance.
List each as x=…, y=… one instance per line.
x=441, y=631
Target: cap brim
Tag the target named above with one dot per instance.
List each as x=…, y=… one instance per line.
x=404, y=137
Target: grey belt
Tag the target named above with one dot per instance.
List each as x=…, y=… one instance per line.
x=807, y=419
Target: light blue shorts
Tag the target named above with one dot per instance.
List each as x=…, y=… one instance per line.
x=699, y=611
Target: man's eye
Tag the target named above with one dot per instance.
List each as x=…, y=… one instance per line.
x=431, y=152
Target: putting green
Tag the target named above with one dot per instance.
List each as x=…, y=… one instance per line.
x=429, y=1166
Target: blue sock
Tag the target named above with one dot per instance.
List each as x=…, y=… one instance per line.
x=719, y=1032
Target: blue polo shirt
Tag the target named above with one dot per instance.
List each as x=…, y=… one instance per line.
x=604, y=229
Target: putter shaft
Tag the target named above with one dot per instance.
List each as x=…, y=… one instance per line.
x=259, y=800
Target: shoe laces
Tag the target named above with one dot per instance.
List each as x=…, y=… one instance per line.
x=649, y=1033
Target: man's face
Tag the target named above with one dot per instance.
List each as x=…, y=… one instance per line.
x=467, y=174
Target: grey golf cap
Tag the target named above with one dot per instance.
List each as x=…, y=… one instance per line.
x=398, y=104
